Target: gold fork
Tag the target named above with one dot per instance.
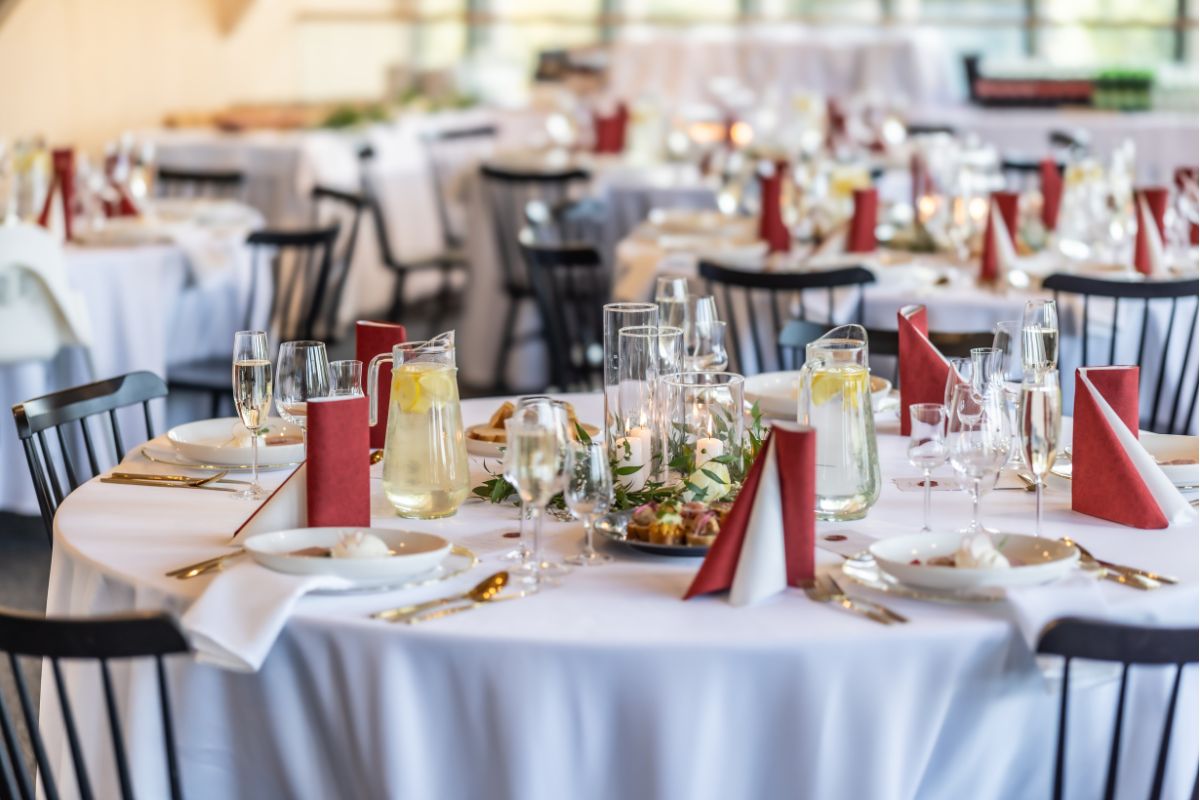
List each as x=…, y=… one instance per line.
x=822, y=591
x=202, y=567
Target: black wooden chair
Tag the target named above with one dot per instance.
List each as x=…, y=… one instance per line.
x=101, y=640
x=570, y=287
x=308, y=282
x=344, y=209
x=750, y=300
x=216, y=184
x=797, y=334
x=60, y=421
x=516, y=198
x=1127, y=645
x=447, y=150
x=1159, y=362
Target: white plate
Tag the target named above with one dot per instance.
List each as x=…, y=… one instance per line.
x=1041, y=560
x=777, y=393
x=413, y=553
x=225, y=440
x=1166, y=447
x=478, y=447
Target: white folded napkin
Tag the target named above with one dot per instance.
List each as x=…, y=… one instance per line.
x=1034, y=607
x=1154, y=242
x=237, y=619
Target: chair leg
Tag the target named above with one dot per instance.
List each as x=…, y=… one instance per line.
x=510, y=322
x=396, y=312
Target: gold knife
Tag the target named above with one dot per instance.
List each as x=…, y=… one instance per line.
x=165, y=484
x=446, y=612
x=143, y=476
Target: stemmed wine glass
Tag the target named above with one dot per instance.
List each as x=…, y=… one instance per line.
x=252, y=395
x=550, y=413
x=708, y=353
x=588, y=490
x=1039, y=335
x=531, y=466
x=301, y=374
x=978, y=435
x=961, y=372
x=1040, y=417
x=671, y=295
x=927, y=446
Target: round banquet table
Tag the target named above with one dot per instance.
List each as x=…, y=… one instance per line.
x=610, y=685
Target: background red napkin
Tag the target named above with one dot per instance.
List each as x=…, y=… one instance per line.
x=920, y=181
x=371, y=339
x=338, y=463
x=1182, y=176
x=1006, y=203
x=861, y=238
x=795, y=458
x=610, y=130
x=62, y=182
x=771, y=227
x=1104, y=482
x=923, y=370
x=1052, y=188
x=1155, y=199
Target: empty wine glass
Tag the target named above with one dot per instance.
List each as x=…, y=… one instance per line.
x=978, y=437
x=1039, y=335
x=927, y=446
x=1040, y=420
x=301, y=374
x=708, y=353
x=588, y=491
x=252, y=395
x=345, y=378
x=531, y=466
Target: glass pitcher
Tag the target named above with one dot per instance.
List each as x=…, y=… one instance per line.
x=425, y=468
x=835, y=400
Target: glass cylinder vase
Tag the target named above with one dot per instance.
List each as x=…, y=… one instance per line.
x=703, y=415
x=616, y=317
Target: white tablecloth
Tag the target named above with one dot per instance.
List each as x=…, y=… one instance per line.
x=611, y=686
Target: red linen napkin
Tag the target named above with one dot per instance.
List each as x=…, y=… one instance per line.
x=923, y=370
x=372, y=339
x=1104, y=481
x=920, y=181
x=1183, y=176
x=1004, y=206
x=1149, y=201
x=1052, y=189
x=778, y=499
x=61, y=182
x=771, y=227
x=338, y=462
x=610, y=130
x=861, y=238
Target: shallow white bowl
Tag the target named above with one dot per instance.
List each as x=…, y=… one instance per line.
x=414, y=553
x=777, y=393
x=1042, y=561
x=1169, y=447
x=224, y=440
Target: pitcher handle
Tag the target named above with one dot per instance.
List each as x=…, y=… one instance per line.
x=804, y=396
x=373, y=386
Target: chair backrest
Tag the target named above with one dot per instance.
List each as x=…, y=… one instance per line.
x=99, y=640
x=449, y=150
x=507, y=193
x=756, y=305
x=1161, y=362
x=1127, y=645
x=39, y=311
x=345, y=209
x=59, y=467
x=308, y=281
x=570, y=287
x=798, y=333
x=227, y=184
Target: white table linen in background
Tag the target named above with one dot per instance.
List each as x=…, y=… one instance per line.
x=611, y=686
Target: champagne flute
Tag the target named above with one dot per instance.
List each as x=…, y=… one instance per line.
x=1007, y=338
x=549, y=413
x=252, y=396
x=1039, y=335
x=927, y=446
x=978, y=437
x=671, y=295
x=301, y=374
x=531, y=466
x=1040, y=418
x=588, y=490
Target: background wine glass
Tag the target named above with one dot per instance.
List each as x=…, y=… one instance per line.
x=1039, y=335
x=961, y=372
x=588, y=491
x=671, y=295
x=547, y=412
x=927, y=446
x=301, y=373
x=978, y=437
x=1007, y=339
x=709, y=353
x=1040, y=417
x=345, y=378
x=252, y=395
x=531, y=466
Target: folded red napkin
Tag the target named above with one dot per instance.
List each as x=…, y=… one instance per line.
x=835, y=129
x=338, y=462
x=62, y=183
x=920, y=182
x=771, y=227
x=372, y=339
x=1002, y=220
x=1151, y=206
x=1184, y=176
x=1052, y=188
x=1104, y=481
x=861, y=237
x=610, y=130
x=768, y=540
x=923, y=370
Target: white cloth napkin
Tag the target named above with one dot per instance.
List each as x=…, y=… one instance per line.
x=1154, y=242
x=237, y=619
x=762, y=567
x=1034, y=607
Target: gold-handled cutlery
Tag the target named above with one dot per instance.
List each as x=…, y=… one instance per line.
x=1143, y=579
x=824, y=590
x=166, y=484
x=218, y=477
x=376, y=456
x=446, y=612
x=202, y=567
x=482, y=592
x=880, y=607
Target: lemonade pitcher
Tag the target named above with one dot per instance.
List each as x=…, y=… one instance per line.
x=425, y=471
x=835, y=400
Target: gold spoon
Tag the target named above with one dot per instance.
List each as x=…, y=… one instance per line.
x=482, y=592
x=376, y=456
